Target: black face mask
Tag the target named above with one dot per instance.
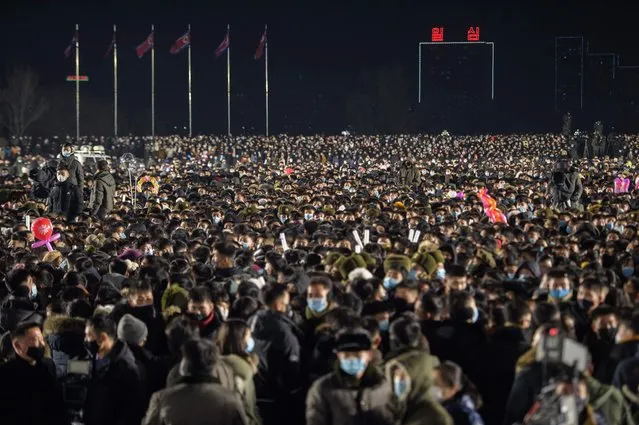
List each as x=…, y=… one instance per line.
x=607, y=334
x=585, y=305
x=36, y=353
x=401, y=305
x=92, y=347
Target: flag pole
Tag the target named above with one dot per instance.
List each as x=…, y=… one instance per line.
x=190, y=93
x=228, y=84
x=266, y=73
x=115, y=82
x=153, y=83
x=77, y=82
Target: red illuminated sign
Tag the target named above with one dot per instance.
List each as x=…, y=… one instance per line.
x=437, y=34
x=472, y=34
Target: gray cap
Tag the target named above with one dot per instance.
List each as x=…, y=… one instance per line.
x=132, y=330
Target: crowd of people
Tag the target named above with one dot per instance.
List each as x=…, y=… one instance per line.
x=324, y=280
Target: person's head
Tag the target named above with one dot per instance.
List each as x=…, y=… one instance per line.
x=448, y=381
x=406, y=295
x=277, y=298
x=559, y=285
x=62, y=173
x=518, y=314
x=100, y=334
x=103, y=165
x=631, y=288
x=463, y=308
x=118, y=266
x=133, y=331
x=605, y=323
x=178, y=331
x=589, y=296
x=28, y=342
x=546, y=313
x=406, y=333
x=429, y=307
x=234, y=337
x=141, y=294
x=628, y=328
x=456, y=279
x=201, y=302
x=199, y=357
x=223, y=253
x=354, y=351
x=67, y=150
x=317, y=294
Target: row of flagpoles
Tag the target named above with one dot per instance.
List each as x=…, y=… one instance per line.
x=180, y=44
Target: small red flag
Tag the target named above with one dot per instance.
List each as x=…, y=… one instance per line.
x=181, y=43
x=223, y=45
x=69, y=49
x=145, y=46
x=260, y=48
x=111, y=46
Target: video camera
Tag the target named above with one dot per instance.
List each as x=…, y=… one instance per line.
x=75, y=386
x=563, y=361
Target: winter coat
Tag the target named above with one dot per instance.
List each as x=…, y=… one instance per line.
x=241, y=382
x=114, y=396
x=65, y=336
x=278, y=346
x=409, y=175
x=44, y=179
x=340, y=399
x=619, y=353
x=103, y=193
x=30, y=394
x=195, y=401
x=418, y=407
x=66, y=200
x=462, y=409
x=76, y=171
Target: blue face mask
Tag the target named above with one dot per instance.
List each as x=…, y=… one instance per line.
x=412, y=275
x=122, y=236
x=283, y=219
x=559, y=294
x=353, y=366
x=66, y=154
x=441, y=274
x=383, y=325
x=317, y=304
x=475, y=315
x=33, y=293
x=250, y=345
x=308, y=217
x=400, y=386
x=376, y=194
x=628, y=271
x=610, y=226
x=390, y=283
x=456, y=214
x=216, y=220
x=569, y=230
x=619, y=228
x=562, y=224
x=245, y=246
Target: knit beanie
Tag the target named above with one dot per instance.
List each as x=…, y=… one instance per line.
x=132, y=330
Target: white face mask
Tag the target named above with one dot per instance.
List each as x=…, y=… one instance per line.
x=61, y=178
x=436, y=393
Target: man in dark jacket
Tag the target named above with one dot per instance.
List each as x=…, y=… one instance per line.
x=203, y=309
x=279, y=381
x=198, y=397
x=115, y=390
x=65, y=198
x=356, y=392
x=76, y=171
x=626, y=347
x=103, y=191
x=409, y=174
x=30, y=393
x=565, y=187
x=44, y=178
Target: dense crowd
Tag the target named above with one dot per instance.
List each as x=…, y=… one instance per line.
x=324, y=280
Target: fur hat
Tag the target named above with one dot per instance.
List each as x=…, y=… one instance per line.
x=395, y=262
x=426, y=262
x=350, y=263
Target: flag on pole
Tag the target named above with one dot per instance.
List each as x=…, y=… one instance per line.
x=223, y=45
x=69, y=49
x=181, y=43
x=145, y=46
x=260, y=48
x=111, y=46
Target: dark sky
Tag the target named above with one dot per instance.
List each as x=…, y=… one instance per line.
x=316, y=50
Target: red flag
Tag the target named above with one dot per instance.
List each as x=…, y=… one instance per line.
x=260, y=48
x=145, y=46
x=181, y=43
x=69, y=49
x=223, y=45
x=111, y=46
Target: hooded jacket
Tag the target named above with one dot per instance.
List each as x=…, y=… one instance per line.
x=102, y=194
x=65, y=336
x=418, y=406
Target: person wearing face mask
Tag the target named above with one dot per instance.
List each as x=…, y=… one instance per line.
x=238, y=364
x=202, y=308
x=396, y=269
x=31, y=393
x=66, y=199
x=409, y=366
x=115, y=389
x=69, y=160
x=405, y=297
x=457, y=394
x=278, y=342
x=340, y=395
x=103, y=191
x=318, y=304
x=626, y=346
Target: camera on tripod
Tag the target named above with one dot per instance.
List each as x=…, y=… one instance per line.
x=563, y=363
x=75, y=387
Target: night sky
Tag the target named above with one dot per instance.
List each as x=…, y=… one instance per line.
x=316, y=52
